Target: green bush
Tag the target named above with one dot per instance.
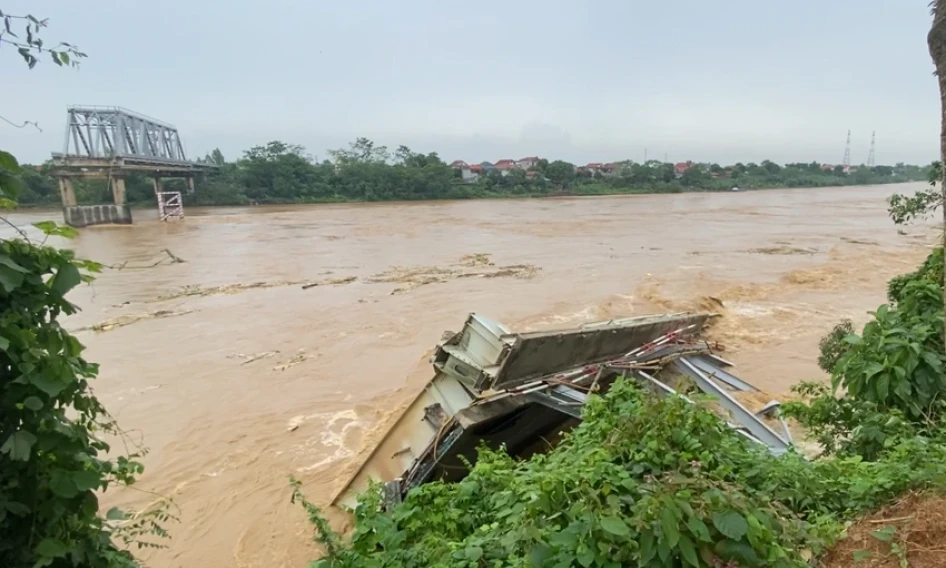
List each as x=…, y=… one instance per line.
x=897, y=361
x=931, y=270
x=53, y=459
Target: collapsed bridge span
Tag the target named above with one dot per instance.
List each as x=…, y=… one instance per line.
x=520, y=390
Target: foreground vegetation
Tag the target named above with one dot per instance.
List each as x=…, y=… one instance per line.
x=284, y=173
x=648, y=481
x=642, y=482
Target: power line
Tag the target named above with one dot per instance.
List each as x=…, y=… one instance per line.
x=847, y=152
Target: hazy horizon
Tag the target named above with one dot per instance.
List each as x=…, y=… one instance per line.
x=592, y=82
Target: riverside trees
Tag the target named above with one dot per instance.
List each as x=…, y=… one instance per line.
x=278, y=172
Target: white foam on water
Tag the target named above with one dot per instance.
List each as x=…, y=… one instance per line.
x=330, y=444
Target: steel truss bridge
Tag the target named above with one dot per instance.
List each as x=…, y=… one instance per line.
x=113, y=142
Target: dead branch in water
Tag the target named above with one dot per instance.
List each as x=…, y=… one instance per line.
x=171, y=258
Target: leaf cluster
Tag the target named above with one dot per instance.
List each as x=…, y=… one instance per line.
x=905, y=209
x=29, y=44
x=888, y=381
x=897, y=360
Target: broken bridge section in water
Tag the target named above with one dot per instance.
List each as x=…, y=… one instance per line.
x=520, y=390
x=111, y=143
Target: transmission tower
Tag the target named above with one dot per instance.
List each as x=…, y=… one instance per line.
x=847, y=152
x=870, y=155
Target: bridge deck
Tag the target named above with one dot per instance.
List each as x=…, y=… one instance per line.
x=84, y=166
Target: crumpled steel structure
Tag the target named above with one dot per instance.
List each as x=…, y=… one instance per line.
x=521, y=390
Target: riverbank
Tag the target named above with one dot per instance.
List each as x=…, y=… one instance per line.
x=588, y=190
x=280, y=173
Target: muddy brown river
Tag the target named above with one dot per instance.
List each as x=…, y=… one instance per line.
x=236, y=377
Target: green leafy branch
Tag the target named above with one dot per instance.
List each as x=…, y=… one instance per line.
x=908, y=208
x=29, y=45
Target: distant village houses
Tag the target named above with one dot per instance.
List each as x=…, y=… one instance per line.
x=598, y=168
x=681, y=168
x=505, y=166
x=469, y=173
x=527, y=163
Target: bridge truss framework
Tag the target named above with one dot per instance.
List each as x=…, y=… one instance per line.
x=113, y=142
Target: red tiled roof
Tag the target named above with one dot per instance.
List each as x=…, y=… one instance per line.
x=505, y=164
x=594, y=165
x=476, y=168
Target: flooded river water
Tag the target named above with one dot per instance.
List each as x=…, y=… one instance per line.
x=236, y=377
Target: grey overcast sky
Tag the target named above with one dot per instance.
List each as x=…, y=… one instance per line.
x=598, y=80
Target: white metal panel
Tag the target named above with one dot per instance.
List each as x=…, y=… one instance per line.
x=450, y=394
x=481, y=340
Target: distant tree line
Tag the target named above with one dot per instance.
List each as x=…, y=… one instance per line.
x=284, y=173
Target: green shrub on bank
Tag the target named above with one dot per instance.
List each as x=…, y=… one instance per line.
x=54, y=462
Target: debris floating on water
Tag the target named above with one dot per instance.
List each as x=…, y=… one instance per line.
x=168, y=257
x=469, y=266
x=198, y=290
x=247, y=359
x=479, y=265
x=859, y=241
x=295, y=360
x=128, y=319
x=330, y=282
x=478, y=259
x=783, y=250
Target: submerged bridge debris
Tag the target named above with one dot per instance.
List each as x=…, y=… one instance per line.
x=522, y=390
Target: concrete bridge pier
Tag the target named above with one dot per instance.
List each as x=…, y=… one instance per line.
x=118, y=190
x=67, y=192
x=84, y=215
